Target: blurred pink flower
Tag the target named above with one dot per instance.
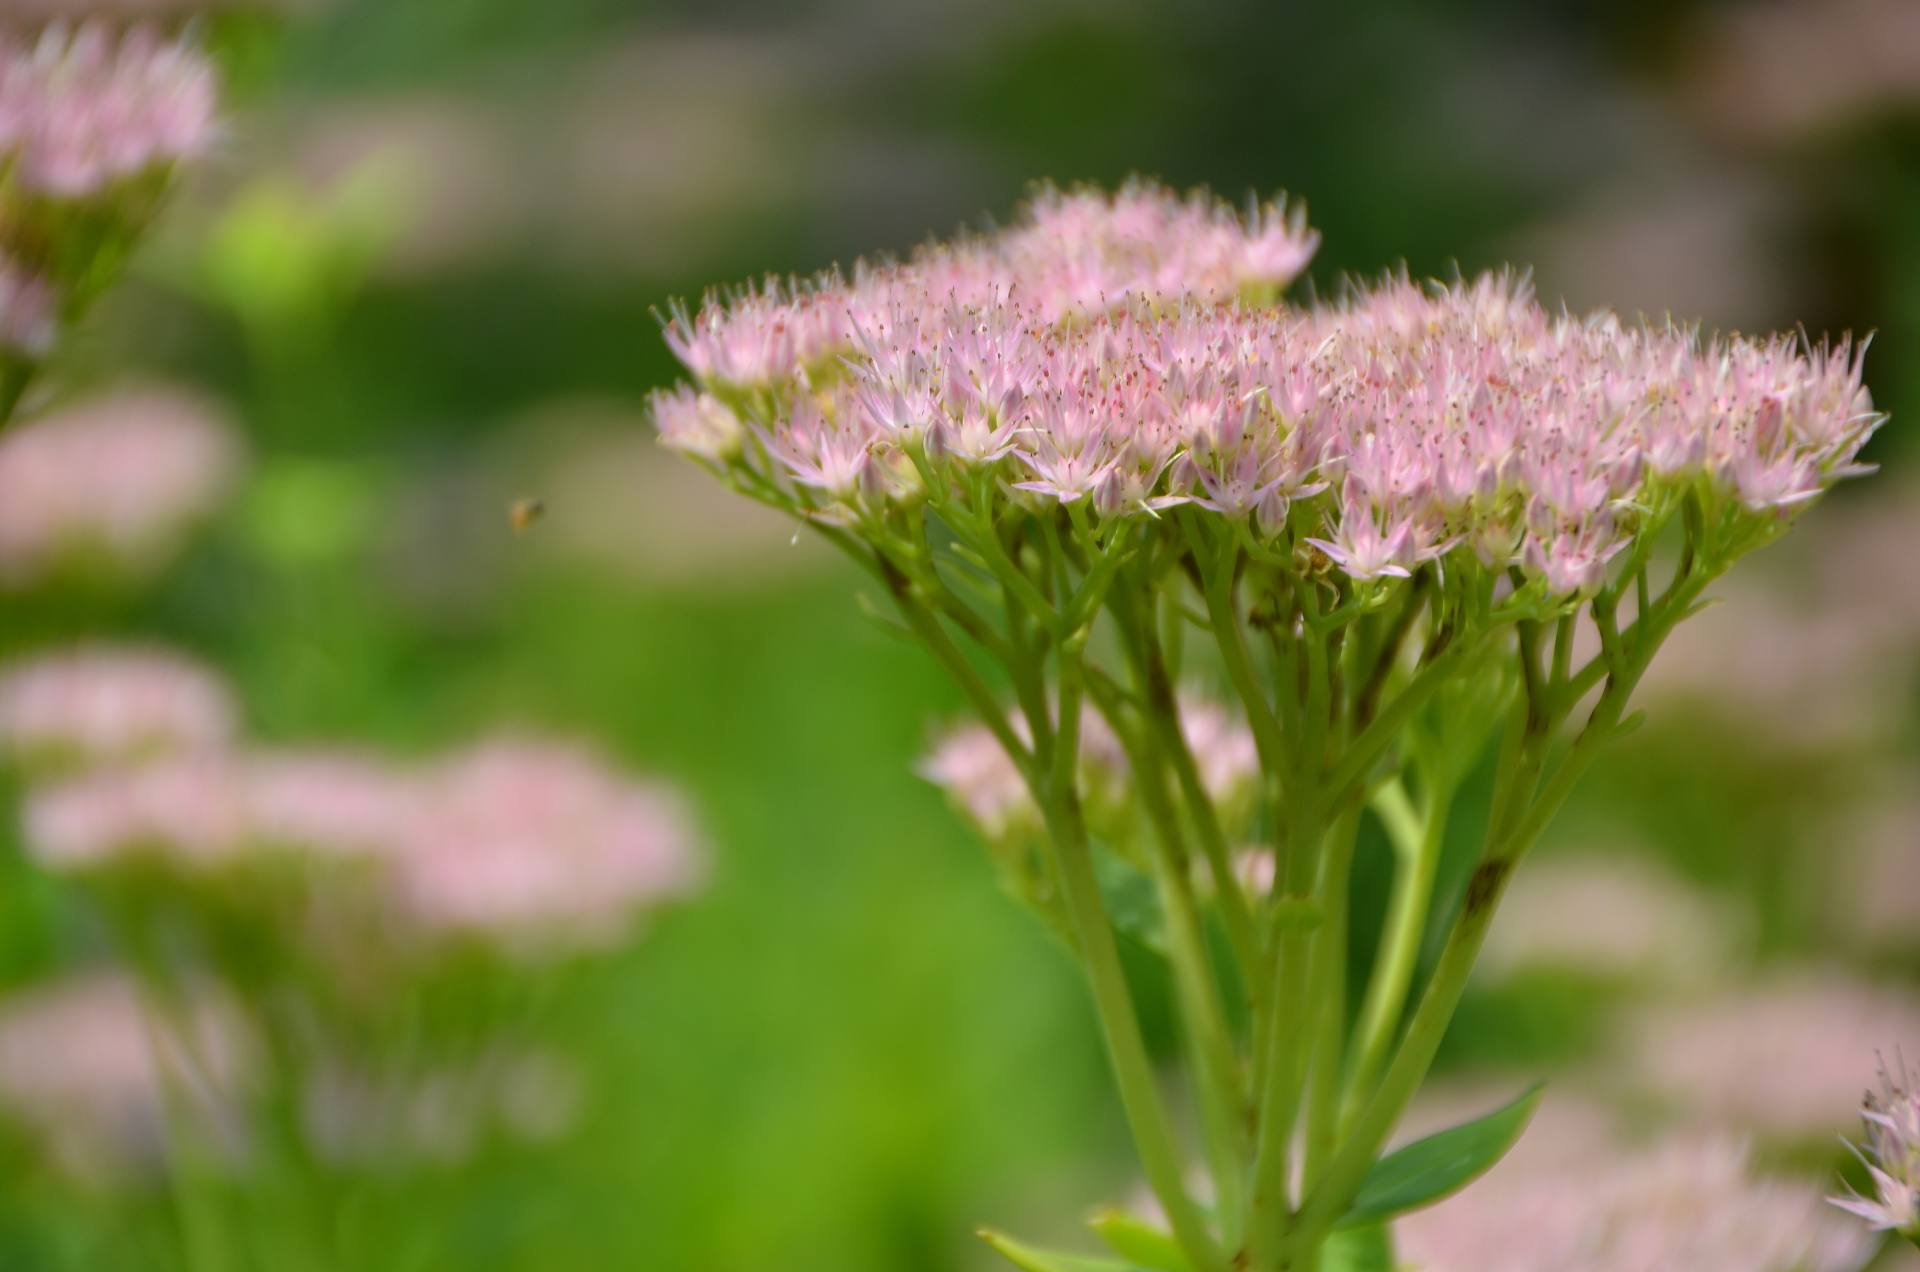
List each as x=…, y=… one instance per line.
x=1780, y=70
x=1891, y=1154
x=1781, y=1059
x=121, y=476
x=533, y=845
x=96, y=704
x=540, y=845
x=209, y=810
x=1608, y=915
x=1690, y=1204
x=86, y=107
x=984, y=783
x=1820, y=650
x=104, y=1077
x=29, y=311
x=697, y=424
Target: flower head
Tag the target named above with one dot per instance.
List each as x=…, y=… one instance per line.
x=106, y=704
x=203, y=811
x=533, y=845
x=525, y=845
x=83, y=108
x=697, y=424
x=985, y=784
x=117, y=479
x=109, y=1082
x=1891, y=1153
x=1110, y=355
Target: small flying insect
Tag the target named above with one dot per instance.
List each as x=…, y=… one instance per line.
x=525, y=512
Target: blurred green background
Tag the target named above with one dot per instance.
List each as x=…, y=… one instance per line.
x=422, y=271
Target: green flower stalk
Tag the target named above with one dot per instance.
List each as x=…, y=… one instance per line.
x=1091, y=458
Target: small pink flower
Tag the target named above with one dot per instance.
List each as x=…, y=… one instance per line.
x=1361, y=547
x=1891, y=1154
x=697, y=424
x=1574, y=562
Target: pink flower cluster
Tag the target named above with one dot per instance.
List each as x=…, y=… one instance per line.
x=528, y=844
x=201, y=811
x=105, y=703
x=119, y=477
x=1070, y=254
x=534, y=842
x=84, y=108
x=1891, y=1154
x=108, y=1082
x=1095, y=355
x=984, y=783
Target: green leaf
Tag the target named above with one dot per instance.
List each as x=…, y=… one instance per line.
x=1365, y=1249
x=1033, y=1259
x=1138, y=1240
x=1427, y=1170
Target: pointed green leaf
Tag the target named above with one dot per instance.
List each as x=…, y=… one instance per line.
x=1138, y=1240
x=1033, y=1259
x=1365, y=1249
x=1429, y=1169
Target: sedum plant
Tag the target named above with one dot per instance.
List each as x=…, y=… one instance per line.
x=1092, y=457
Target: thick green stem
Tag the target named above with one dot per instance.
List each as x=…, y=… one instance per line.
x=1327, y=1006
x=1518, y=818
x=1289, y=1041
x=1126, y=1048
x=1162, y=711
x=1368, y=1132
x=1209, y=1039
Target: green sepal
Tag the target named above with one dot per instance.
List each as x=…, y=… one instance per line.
x=1137, y=1240
x=1033, y=1259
